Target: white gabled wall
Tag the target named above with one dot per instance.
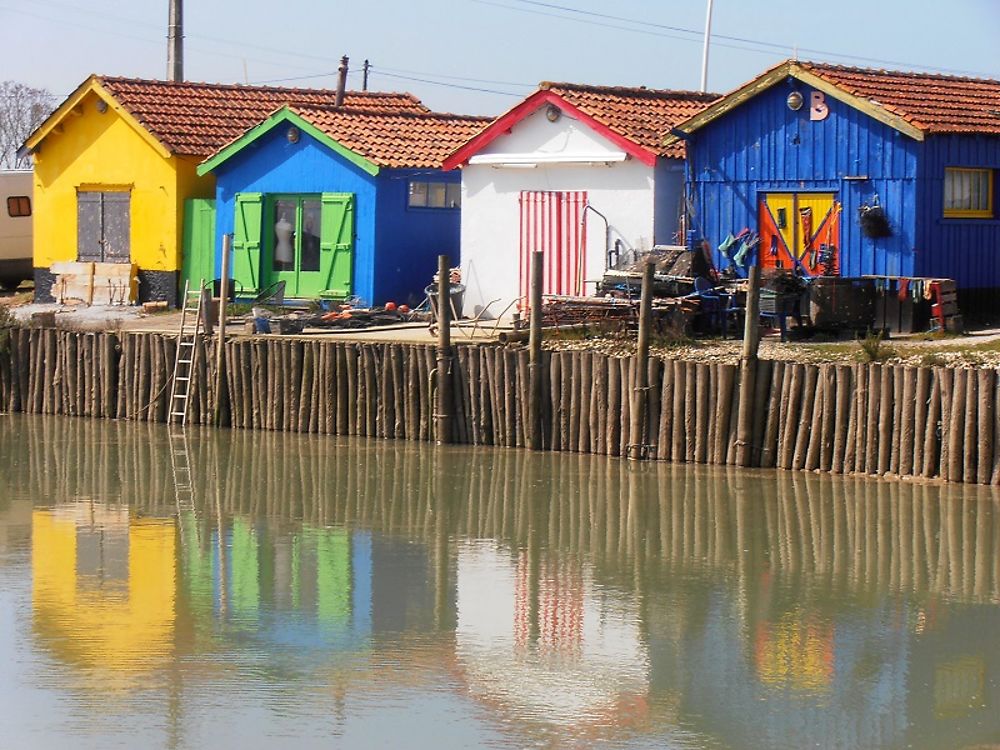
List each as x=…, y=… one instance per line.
x=623, y=191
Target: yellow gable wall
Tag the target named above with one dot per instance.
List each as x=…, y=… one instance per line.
x=104, y=151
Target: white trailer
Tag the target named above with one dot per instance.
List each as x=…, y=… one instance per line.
x=15, y=228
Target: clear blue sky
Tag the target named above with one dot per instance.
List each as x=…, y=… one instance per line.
x=503, y=45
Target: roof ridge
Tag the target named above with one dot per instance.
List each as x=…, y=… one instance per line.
x=249, y=87
x=391, y=111
x=893, y=72
x=638, y=90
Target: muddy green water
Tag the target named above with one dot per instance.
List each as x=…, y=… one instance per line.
x=323, y=592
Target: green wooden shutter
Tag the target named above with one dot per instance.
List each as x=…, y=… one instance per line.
x=198, y=251
x=336, y=243
x=247, y=240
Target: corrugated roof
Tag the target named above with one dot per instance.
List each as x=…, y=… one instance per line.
x=196, y=119
x=644, y=116
x=395, y=139
x=931, y=102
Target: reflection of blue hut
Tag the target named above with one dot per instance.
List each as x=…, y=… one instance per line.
x=304, y=592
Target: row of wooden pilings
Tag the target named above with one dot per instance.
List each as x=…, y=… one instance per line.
x=871, y=418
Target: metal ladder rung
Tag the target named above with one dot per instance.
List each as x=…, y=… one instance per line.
x=180, y=395
x=185, y=361
x=181, y=377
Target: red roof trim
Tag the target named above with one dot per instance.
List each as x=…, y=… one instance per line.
x=503, y=125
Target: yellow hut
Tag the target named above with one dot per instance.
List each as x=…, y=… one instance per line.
x=115, y=174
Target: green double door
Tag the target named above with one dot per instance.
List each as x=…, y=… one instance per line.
x=304, y=240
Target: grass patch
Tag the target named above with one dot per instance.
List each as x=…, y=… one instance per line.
x=872, y=348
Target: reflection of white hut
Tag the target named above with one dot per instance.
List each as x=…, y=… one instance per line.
x=544, y=643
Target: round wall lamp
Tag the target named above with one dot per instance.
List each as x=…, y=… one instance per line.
x=552, y=113
x=292, y=134
x=794, y=101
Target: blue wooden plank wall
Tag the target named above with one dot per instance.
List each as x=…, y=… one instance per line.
x=763, y=146
x=967, y=250
x=408, y=240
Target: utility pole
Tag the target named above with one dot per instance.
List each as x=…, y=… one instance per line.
x=364, y=75
x=175, y=41
x=704, y=51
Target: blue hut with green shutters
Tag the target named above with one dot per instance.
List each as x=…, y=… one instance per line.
x=340, y=202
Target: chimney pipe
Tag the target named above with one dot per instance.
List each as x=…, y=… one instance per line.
x=341, y=81
x=175, y=41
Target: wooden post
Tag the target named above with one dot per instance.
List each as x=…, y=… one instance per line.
x=220, y=360
x=442, y=411
x=637, y=427
x=535, y=351
x=748, y=370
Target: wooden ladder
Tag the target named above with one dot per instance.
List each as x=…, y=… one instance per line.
x=186, y=354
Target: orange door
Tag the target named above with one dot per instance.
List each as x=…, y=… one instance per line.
x=800, y=231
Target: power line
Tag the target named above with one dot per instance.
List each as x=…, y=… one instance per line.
x=448, y=85
x=784, y=49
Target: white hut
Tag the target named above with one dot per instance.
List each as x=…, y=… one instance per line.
x=577, y=171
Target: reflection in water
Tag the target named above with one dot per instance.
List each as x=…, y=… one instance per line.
x=518, y=598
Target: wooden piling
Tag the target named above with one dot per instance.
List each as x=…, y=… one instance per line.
x=638, y=439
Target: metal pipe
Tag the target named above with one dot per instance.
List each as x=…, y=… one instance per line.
x=175, y=41
x=704, y=51
x=341, y=82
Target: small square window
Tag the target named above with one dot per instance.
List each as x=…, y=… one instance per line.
x=418, y=195
x=968, y=193
x=18, y=205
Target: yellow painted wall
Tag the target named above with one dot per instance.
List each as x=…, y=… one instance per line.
x=104, y=151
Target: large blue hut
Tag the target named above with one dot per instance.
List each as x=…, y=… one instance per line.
x=340, y=202
x=852, y=172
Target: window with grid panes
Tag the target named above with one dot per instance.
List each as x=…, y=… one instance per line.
x=431, y=194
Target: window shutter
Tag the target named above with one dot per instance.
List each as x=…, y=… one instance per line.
x=247, y=240
x=336, y=242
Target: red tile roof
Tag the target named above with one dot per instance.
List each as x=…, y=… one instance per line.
x=394, y=139
x=930, y=102
x=196, y=119
x=644, y=116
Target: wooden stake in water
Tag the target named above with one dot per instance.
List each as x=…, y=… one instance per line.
x=535, y=351
x=442, y=408
x=748, y=370
x=220, y=361
x=637, y=433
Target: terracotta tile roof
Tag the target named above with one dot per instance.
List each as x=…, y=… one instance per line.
x=642, y=115
x=395, y=139
x=930, y=102
x=196, y=119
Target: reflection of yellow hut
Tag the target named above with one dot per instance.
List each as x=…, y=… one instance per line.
x=116, y=616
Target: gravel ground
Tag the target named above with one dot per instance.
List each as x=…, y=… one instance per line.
x=980, y=349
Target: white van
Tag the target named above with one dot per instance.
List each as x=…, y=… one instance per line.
x=15, y=228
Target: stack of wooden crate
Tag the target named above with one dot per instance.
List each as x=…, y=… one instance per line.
x=95, y=283
x=944, y=306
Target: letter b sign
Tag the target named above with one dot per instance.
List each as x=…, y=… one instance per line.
x=817, y=106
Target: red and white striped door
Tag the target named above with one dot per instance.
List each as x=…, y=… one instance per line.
x=555, y=223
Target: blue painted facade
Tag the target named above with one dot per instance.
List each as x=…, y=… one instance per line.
x=762, y=146
x=395, y=247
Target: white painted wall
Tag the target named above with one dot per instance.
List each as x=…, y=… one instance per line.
x=623, y=191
